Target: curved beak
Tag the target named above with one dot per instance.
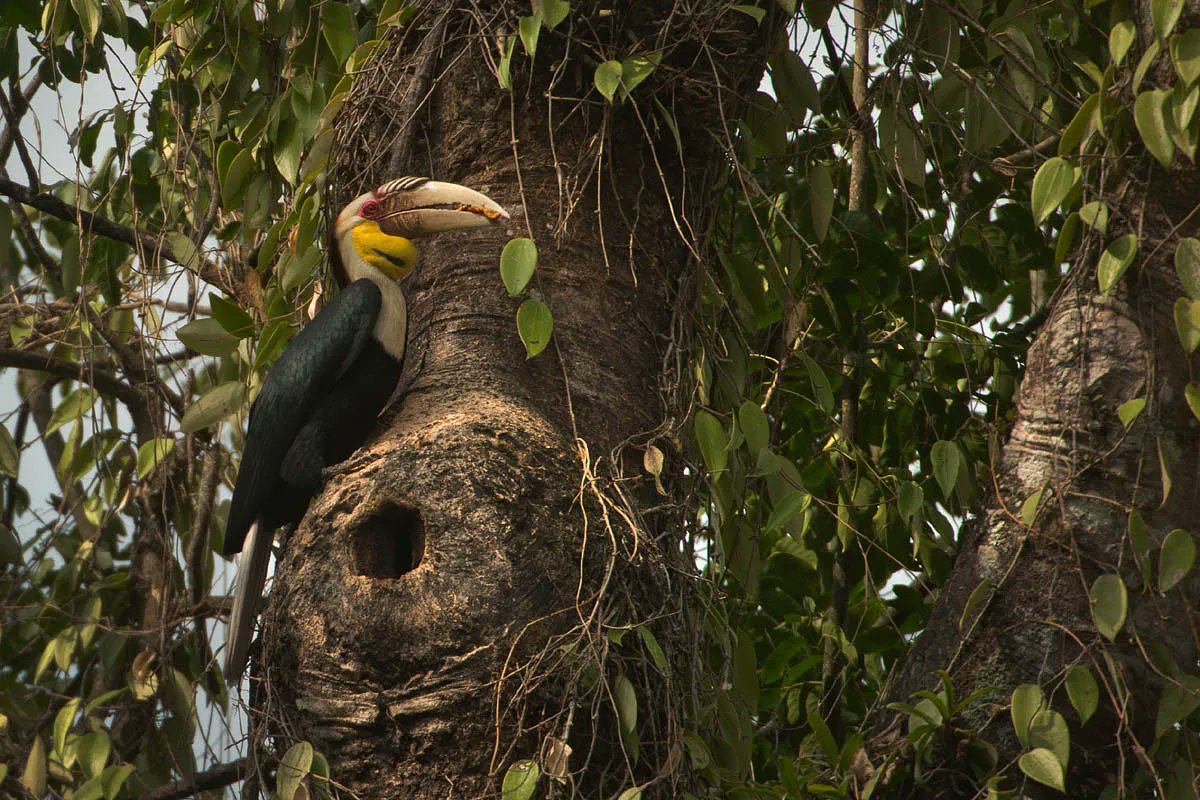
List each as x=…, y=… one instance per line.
x=435, y=207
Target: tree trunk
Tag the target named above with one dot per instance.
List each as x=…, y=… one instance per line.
x=1018, y=608
x=448, y=605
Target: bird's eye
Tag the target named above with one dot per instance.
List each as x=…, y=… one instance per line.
x=370, y=209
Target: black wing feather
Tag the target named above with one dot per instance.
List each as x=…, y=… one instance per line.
x=306, y=370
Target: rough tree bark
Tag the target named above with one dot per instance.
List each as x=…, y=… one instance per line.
x=1033, y=619
x=443, y=608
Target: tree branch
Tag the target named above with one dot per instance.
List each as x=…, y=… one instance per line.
x=53, y=365
x=218, y=777
x=94, y=223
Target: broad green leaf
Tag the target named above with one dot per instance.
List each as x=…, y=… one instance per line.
x=184, y=250
x=1029, y=508
x=1095, y=215
x=794, y=86
x=822, y=388
x=1027, y=700
x=1115, y=259
x=1129, y=411
x=1143, y=65
x=1191, y=393
x=632, y=793
x=535, y=326
x=89, y=17
x=553, y=11
x=946, y=463
x=745, y=670
x=151, y=453
x=33, y=777
x=1185, y=52
x=713, y=440
x=213, y=406
x=793, y=504
x=1164, y=14
x=208, y=337
x=1066, y=238
x=625, y=699
x=1049, y=730
x=1151, y=121
x=520, y=781
x=1109, y=605
x=518, y=261
x=339, y=30
x=654, y=649
x=910, y=499
x=1176, y=703
x=1120, y=38
x=820, y=195
x=1187, y=323
x=910, y=153
x=754, y=12
x=978, y=595
x=755, y=427
x=636, y=69
x=504, y=70
x=231, y=316
x=1083, y=692
x=1176, y=558
x=1187, y=266
x=235, y=179
x=1042, y=766
x=73, y=407
x=10, y=454
x=1051, y=185
x=63, y=721
x=114, y=778
x=1139, y=543
x=529, y=27
x=1164, y=469
x=93, y=750
x=293, y=769
x=608, y=78
x=1079, y=130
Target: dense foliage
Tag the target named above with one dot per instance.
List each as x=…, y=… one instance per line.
x=854, y=368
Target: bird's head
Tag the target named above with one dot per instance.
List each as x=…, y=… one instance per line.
x=377, y=228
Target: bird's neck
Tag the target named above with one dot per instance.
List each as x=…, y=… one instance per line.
x=391, y=328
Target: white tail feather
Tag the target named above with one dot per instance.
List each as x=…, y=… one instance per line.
x=248, y=592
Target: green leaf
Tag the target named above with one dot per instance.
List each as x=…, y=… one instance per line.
x=1144, y=63
x=213, y=406
x=73, y=407
x=1176, y=703
x=1115, y=259
x=1139, y=543
x=608, y=78
x=1120, y=38
x=89, y=17
x=1042, y=766
x=1109, y=605
x=535, y=326
x=34, y=775
x=1029, y=508
x=910, y=499
x=820, y=195
x=1187, y=323
x=794, y=86
x=632, y=793
x=520, y=781
x=1187, y=266
x=820, y=383
x=114, y=778
x=529, y=27
x=62, y=724
x=1049, y=730
x=151, y=453
x=294, y=768
x=1176, y=558
x=1185, y=52
x=754, y=12
x=755, y=427
x=1066, y=237
x=504, y=70
x=518, y=260
x=946, y=463
x=1164, y=14
x=1083, y=692
x=236, y=178
x=713, y=441
x=1151, y=123
x=636, y=69
x=1191, y=393
x=340, y=32
x=184, y=250
x=10, y=454
x=208, y=337
x=231, y=316
x=1051, y=186
x=1095, y=215
x=654, y=649
x=93, y=750
x=745, y=670
x=1129, y=410
x=978, y=595
x=625, y=699
x=553, y=11
x=1027, y=700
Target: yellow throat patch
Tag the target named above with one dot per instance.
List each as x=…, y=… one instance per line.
x=394, y=256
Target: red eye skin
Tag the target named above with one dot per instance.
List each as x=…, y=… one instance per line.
x=370, y=209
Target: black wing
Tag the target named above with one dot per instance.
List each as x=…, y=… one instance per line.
x=303, y=374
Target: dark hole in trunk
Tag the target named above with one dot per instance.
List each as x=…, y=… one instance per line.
x=390, y=542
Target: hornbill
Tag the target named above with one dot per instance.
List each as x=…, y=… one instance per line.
x=322, y=395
